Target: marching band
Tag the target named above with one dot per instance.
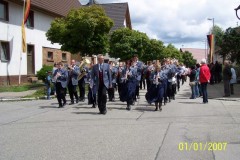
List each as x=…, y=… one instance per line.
x=162, y=81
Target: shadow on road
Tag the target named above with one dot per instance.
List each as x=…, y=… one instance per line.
x=43, y=107
x=92, y=113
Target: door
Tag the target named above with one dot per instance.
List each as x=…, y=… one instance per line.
x=30, y=60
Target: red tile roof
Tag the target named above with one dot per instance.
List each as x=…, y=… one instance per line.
x=198, y=54
x=56, y=7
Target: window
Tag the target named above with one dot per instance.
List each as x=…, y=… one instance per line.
x=64, y=56
x=3, y=11
x=50, y=56
x=30, y=19
x=4, y=51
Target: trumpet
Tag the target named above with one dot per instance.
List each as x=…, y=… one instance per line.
x=82, y=69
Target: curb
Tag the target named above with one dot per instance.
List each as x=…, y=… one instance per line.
x=24, y=99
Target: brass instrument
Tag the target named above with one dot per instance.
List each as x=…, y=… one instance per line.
x=83, y=72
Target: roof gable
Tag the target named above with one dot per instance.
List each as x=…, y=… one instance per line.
x=118, y=12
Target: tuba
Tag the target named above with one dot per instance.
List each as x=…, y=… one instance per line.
x=83, y=71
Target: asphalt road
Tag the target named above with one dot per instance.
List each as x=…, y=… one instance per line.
x=186, y=129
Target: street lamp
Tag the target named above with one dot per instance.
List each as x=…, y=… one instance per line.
x=205, y=43
x=236, y=9
x=211, y=19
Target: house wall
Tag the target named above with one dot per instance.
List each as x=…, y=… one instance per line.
x=11, y=31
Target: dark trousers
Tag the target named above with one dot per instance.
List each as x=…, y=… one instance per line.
x=142, y=83
x=178, y=82
x=231, y=88
x=204, y=92
x=169, y=89
x=111, y=92
x=72, y=91
x=60, y=93
x=81, y=85
x=148, y=83
x=119, y=88
x=137, y=91
x=102, y=98
x=226, y=87
x=174, y=89
x=92, y=99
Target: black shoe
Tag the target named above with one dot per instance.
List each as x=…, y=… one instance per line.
x=160, y=107
x=156, y=109
x=77, y=101
x=93, y=106
x=60, y=106
x=71, y=103
x=104, y=112
x=128, y=108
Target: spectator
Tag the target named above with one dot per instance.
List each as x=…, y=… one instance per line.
x=233, y=80
x=53, y=80
x=227, y=75
x=192, y=83
x=204, y=79
x=48, y=84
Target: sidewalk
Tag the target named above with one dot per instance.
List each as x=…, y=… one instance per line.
x=16, y=96
x=216, y=91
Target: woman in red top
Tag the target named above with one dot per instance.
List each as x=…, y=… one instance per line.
x=204, y=79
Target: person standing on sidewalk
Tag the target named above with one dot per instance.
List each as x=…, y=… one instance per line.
x=233, y=79
x=102, y=78
x=61, y=77
x=48, y=84
x=192, y=83
x=204, y=79
x=227, y=75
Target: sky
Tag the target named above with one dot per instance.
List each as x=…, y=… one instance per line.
x=184, y=23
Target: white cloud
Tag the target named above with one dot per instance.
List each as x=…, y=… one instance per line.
x=181, y=22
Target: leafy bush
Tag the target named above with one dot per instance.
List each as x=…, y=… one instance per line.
x=42, y=73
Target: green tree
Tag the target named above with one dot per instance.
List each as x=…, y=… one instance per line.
x=230, y=45
x=124, y=43
x=172, y=52
x=218, y=35
x=188, y=59
x=153, y=51
x=83, y=30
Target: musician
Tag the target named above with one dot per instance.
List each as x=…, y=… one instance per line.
x=73, y=72
x=129, y=76
x=139, y=66
x=92, y=95
x=61, y=77
x=119, y=76
x=156, y=91
x=111, y=91
x=102, y=78
x=81, y=82
x=147, y=72
x=174, y=78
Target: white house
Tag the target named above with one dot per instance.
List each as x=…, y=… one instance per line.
x=40, y=51
x=12, y=60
